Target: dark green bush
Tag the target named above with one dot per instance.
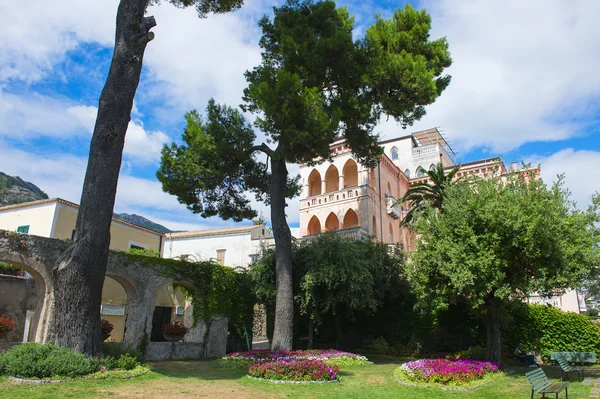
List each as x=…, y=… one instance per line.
x=127, y=362
x=2, y=364
x=546, y=329
x=592, y=312
x=110, y=362
x=44, y=361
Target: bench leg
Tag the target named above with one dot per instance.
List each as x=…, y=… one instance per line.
x=567, y=392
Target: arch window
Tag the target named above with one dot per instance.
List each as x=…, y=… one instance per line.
x=332, y=223
x=350, y=172
x=350, y=219
x=394, y=153
x=314, y=183
x=407, y=173
x=432, y=167
x=420, y=171
x=332, y=179
x=314, y=226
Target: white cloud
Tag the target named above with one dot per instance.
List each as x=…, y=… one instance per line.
x=143, y=146
x=522, y=71
x=581, y=170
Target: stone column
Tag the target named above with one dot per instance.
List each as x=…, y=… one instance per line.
x=323, y=186
x=341, y=187
x=305, y=191
x=139, y=315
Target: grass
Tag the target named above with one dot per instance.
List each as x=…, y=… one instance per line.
x=203, y=379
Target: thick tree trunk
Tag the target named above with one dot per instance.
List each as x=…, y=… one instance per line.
x=79, y=275
x=493, y=349
x=284, y=301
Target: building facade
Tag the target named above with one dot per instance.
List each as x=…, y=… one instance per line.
x=354, y=200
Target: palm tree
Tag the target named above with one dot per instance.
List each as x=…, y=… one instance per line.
x=425, y=192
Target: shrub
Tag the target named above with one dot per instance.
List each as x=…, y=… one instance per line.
x=175, y=328
x=6, y=324
x=110, y=362
x=2, y=364
x=546, y=329
x=11, y=270
x=592, y=312
x=444, y=371
x=118, y=349
x=106, y=327
x=295, y=370
x=44, y=361
x=127, y=362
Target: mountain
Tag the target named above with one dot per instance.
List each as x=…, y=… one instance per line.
x=14, y=190
x=142, y=221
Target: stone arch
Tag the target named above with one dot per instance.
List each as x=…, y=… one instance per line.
x=166, y=301
x=314, y=183
x=314, y=226
x=117, y=291
x=350, y=219
x=332, y=179
x=39, y=322
x=394, y=153
x=420, y=171
x=332, y=223
x=350, y=172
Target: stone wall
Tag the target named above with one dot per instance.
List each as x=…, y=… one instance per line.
x=18, y=296
x=137, y=274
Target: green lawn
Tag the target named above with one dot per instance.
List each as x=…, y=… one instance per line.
x=202, y=379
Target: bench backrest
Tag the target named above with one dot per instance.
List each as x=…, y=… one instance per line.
x=538, y=380
x=578, y=357
x=562, y=362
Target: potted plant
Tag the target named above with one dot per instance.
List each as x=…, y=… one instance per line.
x=106, y=327
x=6, y=325
x=175, y=331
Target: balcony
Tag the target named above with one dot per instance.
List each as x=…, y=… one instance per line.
x=348, y=193
x=425, y=150
x=354, y=233
x=393, y=209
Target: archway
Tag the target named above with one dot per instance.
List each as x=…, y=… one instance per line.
x=314, y=226
x=332, y=179
x=314, y=183
x=169, y=306
x=350, y=172
x=350, y=219
x=26, y=304
x=332, y=222
x=117, y=292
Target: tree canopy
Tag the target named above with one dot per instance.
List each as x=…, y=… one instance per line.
x=315, y=84
x=501, y=238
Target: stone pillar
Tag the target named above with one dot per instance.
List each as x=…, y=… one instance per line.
x=323, y=186
x=305, y=191
x=341, y=182
x=139, y=315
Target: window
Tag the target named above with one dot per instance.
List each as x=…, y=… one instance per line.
x=253, y=259
x=133, y=246
x=407, y=173
x=420, y=171
x=394, y=153
x=23, y=229
x=221, y=257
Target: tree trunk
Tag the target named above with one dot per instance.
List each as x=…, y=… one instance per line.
x=79, y=274
x=284, y=301
x=493, y=349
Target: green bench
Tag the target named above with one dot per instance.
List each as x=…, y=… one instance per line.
x=541, y=384
x=563, y=359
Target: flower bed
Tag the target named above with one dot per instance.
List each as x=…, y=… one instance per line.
x=444, y=371
x=331, y=356
x=294, y=370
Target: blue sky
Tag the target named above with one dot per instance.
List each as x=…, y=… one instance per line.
x=525, y=87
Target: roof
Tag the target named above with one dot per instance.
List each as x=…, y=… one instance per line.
x=210, y=232
x=74, y=205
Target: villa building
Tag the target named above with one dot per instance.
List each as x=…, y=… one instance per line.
x=354, y=200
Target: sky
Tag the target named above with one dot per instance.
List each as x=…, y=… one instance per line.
x=525, y=87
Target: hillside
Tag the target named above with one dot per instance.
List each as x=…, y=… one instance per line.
x=142, y=221
x=14, y=190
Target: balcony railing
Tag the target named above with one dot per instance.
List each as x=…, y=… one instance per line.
x=334, y=196
x=392, y=208
x=425, y=150
x=354, y=233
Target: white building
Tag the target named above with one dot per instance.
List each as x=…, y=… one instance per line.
x=231, y=246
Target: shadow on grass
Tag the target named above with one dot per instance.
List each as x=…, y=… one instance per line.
x=204, y=370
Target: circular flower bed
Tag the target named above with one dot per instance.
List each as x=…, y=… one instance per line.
x=444, y=371
x=331, y=356
x=294, y=370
